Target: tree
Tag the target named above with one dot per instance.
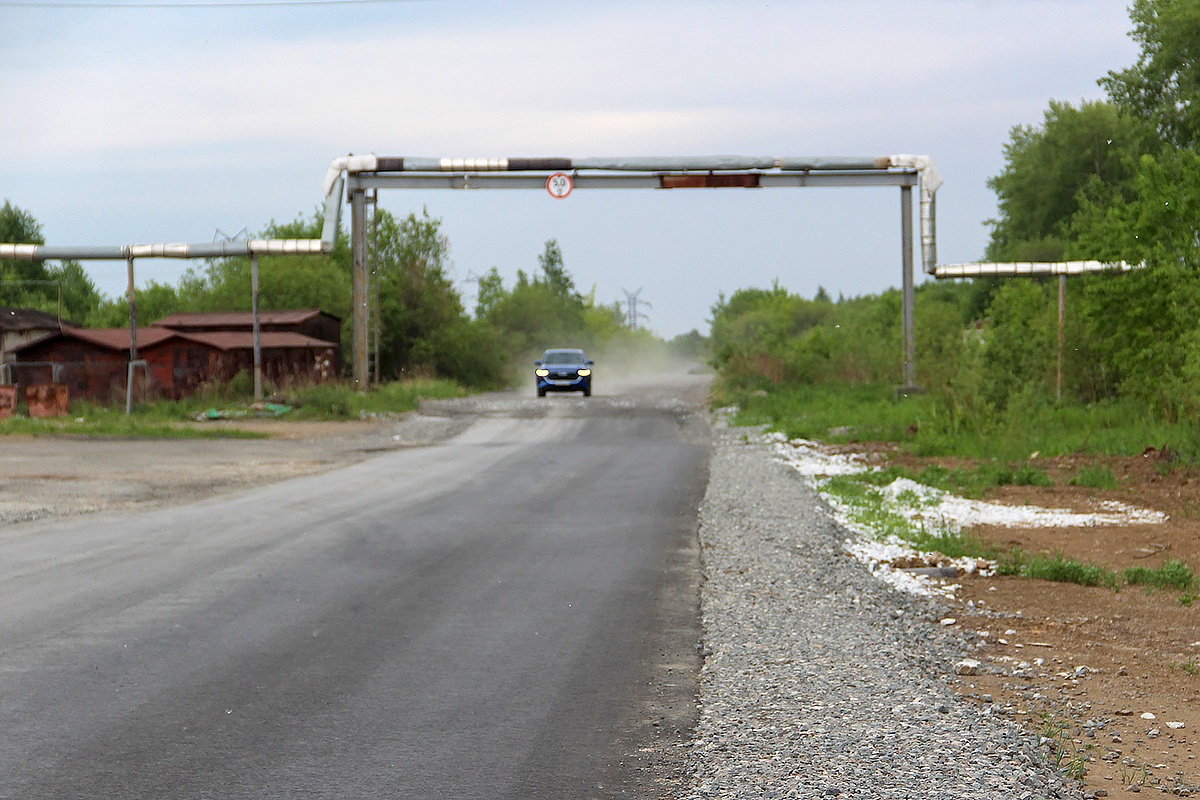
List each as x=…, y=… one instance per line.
x=424, y=326
x=1163, y=87
x=1045, y=169
x=491, y=294
x=285, y=281
x=556, y=276
x=23, y=283
x=63, y=289
x=1140, y=324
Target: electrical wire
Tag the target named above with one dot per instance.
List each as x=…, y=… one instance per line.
x=48, y=4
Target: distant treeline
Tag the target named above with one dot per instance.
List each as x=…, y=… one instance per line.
x=424, y=328
x=1112, y=180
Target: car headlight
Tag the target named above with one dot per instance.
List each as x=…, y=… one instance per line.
x=583, y=373
x=541, y=373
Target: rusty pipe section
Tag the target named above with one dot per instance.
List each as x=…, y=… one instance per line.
x=40, y=252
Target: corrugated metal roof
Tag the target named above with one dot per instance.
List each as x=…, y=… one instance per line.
x=218, y=319
x=29, y=319
x=118, y=338
x=244, y=340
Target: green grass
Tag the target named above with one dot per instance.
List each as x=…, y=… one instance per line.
x=1172, y=574
x=923, y=426
x=869, y=508
x=1056, y=568
x=168, y=419
x=340, y=401
x=1095, y=476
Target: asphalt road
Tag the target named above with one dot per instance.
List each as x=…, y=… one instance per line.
x=510, y=613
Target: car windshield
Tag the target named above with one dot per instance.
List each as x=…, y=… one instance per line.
x=563, y=357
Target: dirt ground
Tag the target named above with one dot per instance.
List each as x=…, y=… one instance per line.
x=63, y=476
x=1089, y=666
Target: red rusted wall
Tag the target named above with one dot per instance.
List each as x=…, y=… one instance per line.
x=176, y=368
x=48, y=400
x=8, y=401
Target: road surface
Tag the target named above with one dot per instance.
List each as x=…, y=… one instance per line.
x=510, y=613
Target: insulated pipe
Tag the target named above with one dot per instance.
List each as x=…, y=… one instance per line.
x=1014, y=268
x=41, y=252
x=930, y=180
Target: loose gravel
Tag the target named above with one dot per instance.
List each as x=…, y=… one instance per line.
x=820, y=680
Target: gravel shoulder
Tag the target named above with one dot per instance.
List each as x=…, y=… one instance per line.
x=821, y=681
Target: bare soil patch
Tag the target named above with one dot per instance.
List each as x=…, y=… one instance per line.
x=1088, y=665
x=63, y=476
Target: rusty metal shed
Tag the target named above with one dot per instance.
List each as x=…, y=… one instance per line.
x=22, y=326
x=93, y=363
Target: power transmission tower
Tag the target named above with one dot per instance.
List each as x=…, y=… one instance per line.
x=632, y=315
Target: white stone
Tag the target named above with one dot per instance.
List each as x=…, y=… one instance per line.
x=968, y=666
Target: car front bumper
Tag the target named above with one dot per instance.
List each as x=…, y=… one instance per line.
x=552, y=384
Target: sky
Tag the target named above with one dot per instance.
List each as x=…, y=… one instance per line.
x=148, y=125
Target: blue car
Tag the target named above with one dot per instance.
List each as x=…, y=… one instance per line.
x=564, y=371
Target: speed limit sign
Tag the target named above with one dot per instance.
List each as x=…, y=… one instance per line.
x=559, y=185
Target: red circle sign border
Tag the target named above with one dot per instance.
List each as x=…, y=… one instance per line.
x=570, y=185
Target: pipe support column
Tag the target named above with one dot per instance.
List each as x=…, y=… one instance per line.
x=358, y=246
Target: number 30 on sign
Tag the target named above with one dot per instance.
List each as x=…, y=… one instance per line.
x=559, y=185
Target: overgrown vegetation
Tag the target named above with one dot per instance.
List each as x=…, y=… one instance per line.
x=1113, y=180
x=1172, y=574
x=424, y=329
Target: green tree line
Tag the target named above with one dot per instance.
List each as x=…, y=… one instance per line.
x=1116, y=179
x=424, y=327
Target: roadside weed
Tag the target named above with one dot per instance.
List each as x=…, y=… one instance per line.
x=1056, y=568
x=1095, y=476
x=1190, y=667
x=1172, y=574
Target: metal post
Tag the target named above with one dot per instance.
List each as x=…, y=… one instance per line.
x=373, y=290
x=906, y=238
x=358, y=246
x=133, y=351
x=258, y=381
x=1062, y=319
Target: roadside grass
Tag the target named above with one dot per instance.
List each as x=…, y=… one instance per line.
x=1056, y=567
x=339, y=401
x=868, y=507
x=174, y=419
x=923, y=425
x=112, y=424
x=1095, y=476
x=1173, y=574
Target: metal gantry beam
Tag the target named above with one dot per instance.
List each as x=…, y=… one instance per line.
x=362, y=173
